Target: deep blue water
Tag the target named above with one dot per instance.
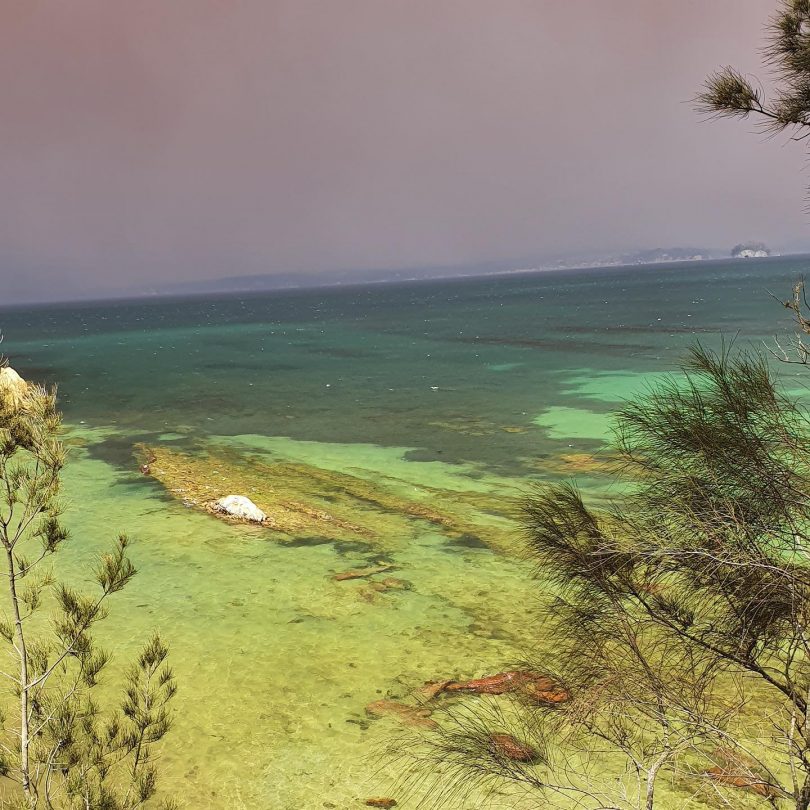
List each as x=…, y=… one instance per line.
x=400, y=364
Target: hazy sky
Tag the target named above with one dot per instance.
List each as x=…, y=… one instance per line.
x=153, y=140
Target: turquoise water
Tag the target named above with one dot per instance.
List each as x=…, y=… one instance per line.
x=457, y=393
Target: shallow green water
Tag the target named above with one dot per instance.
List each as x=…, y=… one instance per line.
x=479, y=386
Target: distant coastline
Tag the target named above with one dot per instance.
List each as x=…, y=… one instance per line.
x=268, y=282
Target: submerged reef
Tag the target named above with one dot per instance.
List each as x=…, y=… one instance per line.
x=301, y=500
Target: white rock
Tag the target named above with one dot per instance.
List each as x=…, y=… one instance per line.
x=241, y=507
x=13, y=388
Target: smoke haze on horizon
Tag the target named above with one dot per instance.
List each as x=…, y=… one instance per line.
x=151, y=142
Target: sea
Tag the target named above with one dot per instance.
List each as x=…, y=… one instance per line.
x=411, y=420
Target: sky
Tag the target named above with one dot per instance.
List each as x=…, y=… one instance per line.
x=150, y=142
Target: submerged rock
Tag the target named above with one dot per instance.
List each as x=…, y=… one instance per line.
x=743, y=781
x=394, y=584
x=544, y=690
x=362, y=573
x=241, y=507
x=416, y=716
x=738, y=770
x=433, y=688
x=506, y=746
x=491, y=685
x=538, y=687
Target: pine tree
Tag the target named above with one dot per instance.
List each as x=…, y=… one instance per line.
x=59, y=749
x=680, y=625
x=728, y=93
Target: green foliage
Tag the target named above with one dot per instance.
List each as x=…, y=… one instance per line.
x=727, y=93
x=59, y=749
x=679, y=624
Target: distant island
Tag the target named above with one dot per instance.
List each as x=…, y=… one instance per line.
x=750, y=250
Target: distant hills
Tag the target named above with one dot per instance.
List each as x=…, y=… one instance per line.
x=263, y=282
x=24, y=283
x=676, y=254
x=279, y=281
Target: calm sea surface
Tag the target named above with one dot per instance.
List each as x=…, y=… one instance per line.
x=474, y=386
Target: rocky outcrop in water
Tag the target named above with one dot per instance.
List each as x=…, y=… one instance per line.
x=302, y=500
x=13, y=389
